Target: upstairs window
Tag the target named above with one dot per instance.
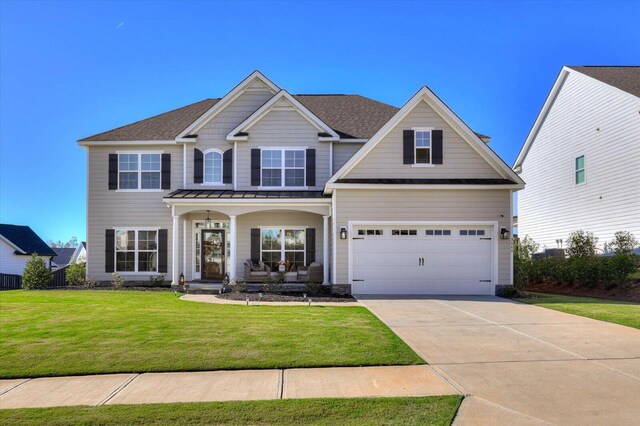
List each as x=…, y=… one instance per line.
x=212, y=167
x=423, y=146
x=283, y=167
x=138, y=171
x=580, y=173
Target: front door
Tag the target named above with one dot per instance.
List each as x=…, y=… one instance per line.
x=213, y=251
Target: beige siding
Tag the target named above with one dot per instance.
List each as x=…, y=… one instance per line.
x=214, y=133
x=600, y=122
x=342, y=152
x=422, y=205
x=110, y=208
x=459, y=159
x=282, y=128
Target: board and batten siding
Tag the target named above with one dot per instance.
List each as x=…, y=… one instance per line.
x=422, y=205
x=111, y=208
x=342, y=152
x=602, y=123
x=460, y=160
x=282, y=128
x=11, y=263
x=214, y=133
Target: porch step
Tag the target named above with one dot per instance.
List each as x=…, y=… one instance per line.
x=198, y=288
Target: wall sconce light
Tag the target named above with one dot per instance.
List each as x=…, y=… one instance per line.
x=504, y=233
x=343, y=233
x=207, y=221
x=181, y=281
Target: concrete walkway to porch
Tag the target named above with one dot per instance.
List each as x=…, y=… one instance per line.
x=244, y=385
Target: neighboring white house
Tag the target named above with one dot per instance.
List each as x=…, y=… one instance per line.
x=17, y=244
x=69, y=255
x=581, y=160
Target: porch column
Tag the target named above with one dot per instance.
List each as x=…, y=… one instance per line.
x=174, y=250
x=325, y=249
x=232, y=247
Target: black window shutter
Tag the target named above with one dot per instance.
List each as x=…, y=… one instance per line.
x=162, y=250
x=113, y=171
x=227, y=166
x=310, y=245
x=166, y=171
x=311, y=167
x=109, y=250
x=408, y=148
x=255, y=167
x=198, y=166
x=255, y=244
x=436, y=146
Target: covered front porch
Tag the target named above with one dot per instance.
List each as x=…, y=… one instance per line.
x=250, y=235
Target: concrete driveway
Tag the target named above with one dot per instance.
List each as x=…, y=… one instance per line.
x=522, y=364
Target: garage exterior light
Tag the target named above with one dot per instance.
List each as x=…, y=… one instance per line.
x=343, y=233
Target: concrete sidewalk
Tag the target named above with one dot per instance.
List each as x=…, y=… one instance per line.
x=244, y=385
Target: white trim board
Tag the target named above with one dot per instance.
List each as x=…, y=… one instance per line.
x=426, y=95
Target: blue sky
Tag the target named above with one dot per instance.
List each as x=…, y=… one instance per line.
x=72, y=69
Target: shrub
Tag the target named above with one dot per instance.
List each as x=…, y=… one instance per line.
x=314, y=288
x=90, y=282
x=117, y=281
x=157, y=280
x=623, y=242
x=272, y=284
x=522, y=260
x=75, y=274
x=238, y=285
x=36, y=275
x=581, y=244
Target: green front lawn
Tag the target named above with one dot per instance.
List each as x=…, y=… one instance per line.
x=435, y=410
x=625, y=313
x=53, y=333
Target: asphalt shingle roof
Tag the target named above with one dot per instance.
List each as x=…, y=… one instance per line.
x=27, y=240
x=623, y=77
x=351, y=116
x=63, y=255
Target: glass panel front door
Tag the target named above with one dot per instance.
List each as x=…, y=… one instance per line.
x=213, y=254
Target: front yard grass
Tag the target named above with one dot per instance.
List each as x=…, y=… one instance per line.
x=619, y=312
x=435, y=410
x=58, y=332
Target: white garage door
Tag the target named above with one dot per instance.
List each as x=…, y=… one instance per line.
x=422, y=259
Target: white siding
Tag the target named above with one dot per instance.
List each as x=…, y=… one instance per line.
x=460, y=160
x=592, y=119
x=422, y=205
x=342, y=152
x=13, y=264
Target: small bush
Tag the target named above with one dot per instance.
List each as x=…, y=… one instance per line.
x=508, y=292
x=272, y=284
x=90, y=282
x=36, y=275
x=623, y=243
x=117, y=281
x=523, y=251
x=75, y=274
x=157, y=280
x=581, y=244
x=315, y=288
x=238, y=286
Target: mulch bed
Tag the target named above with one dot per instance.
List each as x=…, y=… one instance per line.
x=291, y=297
x=628, y=293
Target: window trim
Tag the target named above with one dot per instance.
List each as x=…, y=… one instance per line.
x=283, y=168
x=139, y=171
x=583, y=170
x=415, y=147
x=204, y=167
x=135, y=229
x=282, y=230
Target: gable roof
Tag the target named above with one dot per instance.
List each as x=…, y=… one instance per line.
x=239, y=132
x=63, y=255
x=473, y=139
x=626, y=78
x=25, y=240
x=621, y=77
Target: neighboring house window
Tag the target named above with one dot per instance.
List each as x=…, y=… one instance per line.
x=136, y=250
x=423, y=146
x=213, y=167
x=273, y=249
x=283, y=167
x=580, y=174
x=138, y=171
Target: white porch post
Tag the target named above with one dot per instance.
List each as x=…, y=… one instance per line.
x=174, y=250
x=232, y=247
x=325, y=249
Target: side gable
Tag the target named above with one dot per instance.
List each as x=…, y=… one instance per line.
x=429, y=107
x=282, y=101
